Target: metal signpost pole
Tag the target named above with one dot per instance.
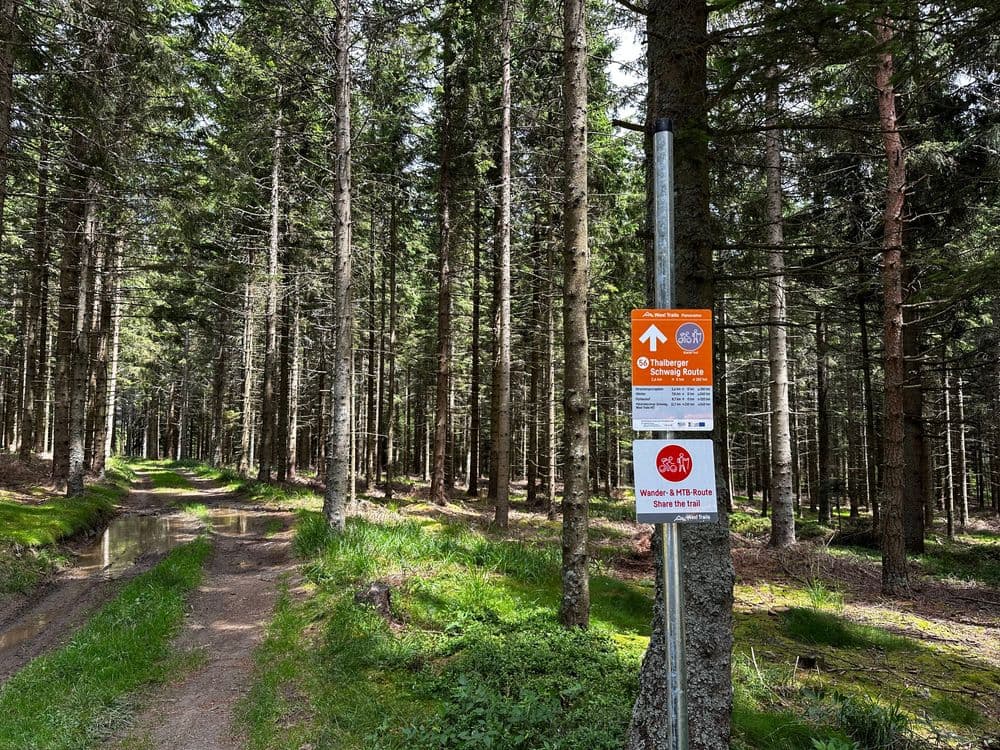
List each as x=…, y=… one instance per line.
x=673, y=572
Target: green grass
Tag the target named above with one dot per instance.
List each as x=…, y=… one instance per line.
x=480, y=656
x=165, y=479
x=956, y=712
x=474, y=657
x=76, y=696
x=23, y=568
x=289, y=496
x=966, y=558
x=53, y=521
x=28, y=532
x=815, y=627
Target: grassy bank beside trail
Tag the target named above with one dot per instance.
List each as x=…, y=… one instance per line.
x=77, y=696
x=262, y=493
x=29, y=529
x=472, y=655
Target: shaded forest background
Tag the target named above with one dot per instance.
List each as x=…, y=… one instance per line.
x=168, y=220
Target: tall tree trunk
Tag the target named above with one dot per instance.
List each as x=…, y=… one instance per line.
x=575, y=609
x=98, y=352
x=913, y=435
x=993, y=378
x=895, y=579
x=291, y=464
x=389, y=410
x=372, y=374
x=475, y=421
x=782, y=501
x=36, y=320
x=247, y=343
x=340, y=471
x=111, y=314
x=549, y=450
x=501, y=366
x=70, y=372
x=678, y=45
x=268, y=412
x=949, y=484
x=85, y=238
x=852, y=462
x=822, y=419
x=796, y=459
x=445, y=188
x=722, y=378
x=219, y=392
x=962, y=488
x=535, y=376
x=874, y=454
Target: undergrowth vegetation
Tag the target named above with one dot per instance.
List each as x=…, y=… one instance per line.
x=472, y=655
x=469, y=653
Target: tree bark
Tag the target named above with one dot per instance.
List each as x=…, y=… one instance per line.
x=914, y=452
x=822, y=419
x=549, y=430
x=678, y=45
x=8, y=27
x=84, y=238
x=291, y=463
x=501, y=367
x=246, y=421
x=780, y=485
x=575, y=608
x=340, y=470
x=219, y=392
x=372, y=374
x=268, y=412
x=874, y=458
x=438, y=493
x=105, y=396
x=895, y=579
x=994, y=380
x=722, y=378
x=949, y=489
x=962, y=488
x=36, y=320
x=389, y=409
x=475, y=420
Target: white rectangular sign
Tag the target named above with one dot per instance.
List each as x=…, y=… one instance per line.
x=674, y=481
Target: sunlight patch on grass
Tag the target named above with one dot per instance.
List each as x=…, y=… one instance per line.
x=51, y=522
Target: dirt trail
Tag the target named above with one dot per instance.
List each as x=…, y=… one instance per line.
x=228, y=616
x=33, y=624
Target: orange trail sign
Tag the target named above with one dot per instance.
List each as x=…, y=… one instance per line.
x=672, y=370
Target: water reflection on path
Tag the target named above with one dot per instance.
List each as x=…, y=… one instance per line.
x=127, y=539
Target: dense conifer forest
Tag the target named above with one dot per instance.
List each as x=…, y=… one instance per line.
x=316, y=380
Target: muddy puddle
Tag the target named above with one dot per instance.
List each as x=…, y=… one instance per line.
x=129, y=539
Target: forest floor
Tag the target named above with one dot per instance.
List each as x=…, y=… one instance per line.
x=426, y=627
x=468, y=651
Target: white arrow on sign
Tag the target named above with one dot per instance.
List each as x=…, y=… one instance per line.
x=653, y=336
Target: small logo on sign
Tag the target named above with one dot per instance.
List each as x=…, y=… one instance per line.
x=642, y=363
x=690, y=337
x=674, y=463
